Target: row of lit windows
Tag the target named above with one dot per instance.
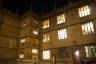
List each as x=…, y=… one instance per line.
x=34, y=32
x=83, y=11
x=34, y=51
x=62, y=34
x=60, y=19
x=46, y=54
x=87, y=28
x=90, y=52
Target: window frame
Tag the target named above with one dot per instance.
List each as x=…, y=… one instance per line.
x=61, y=18
x=88, y=28
x=46, y=37
x=46, y=24
x=21, y=56
x=62, y=34
x=45, y=55
x=89, y=51
x=84, y=11
x=22, y=40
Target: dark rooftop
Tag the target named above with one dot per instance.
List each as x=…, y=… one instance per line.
x=38, y=6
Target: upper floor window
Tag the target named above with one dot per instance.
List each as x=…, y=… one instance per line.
x=84, y=11
x=23, y=40
x=90, y=51
x=34, y=50
x=35, y=32
x=87, y=28
x=21, y=56
x=62, y=34
x=60, y=19
x=46, y=37
x=46, y=54
x=45, y=24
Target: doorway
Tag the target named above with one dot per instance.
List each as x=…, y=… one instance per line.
x=76, y=56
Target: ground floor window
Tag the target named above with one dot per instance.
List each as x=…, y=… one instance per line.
x=46, y=54
x=90, y=51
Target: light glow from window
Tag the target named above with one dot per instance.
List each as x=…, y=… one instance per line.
x=46, y=37
x=35, y=32
x=77, y=53
x=45, y=24
x=60, y=19
x=62, y=34
x=46, y=54
x=21, y=56
x=23, y=40
x=87, y=28
x=84, y=11
x=34, y=50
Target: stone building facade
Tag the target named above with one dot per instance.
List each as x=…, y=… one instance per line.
x=63, y=36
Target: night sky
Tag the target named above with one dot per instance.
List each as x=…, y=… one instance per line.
x=39, y=6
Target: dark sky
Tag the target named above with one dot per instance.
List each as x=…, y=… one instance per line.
x=37, y=5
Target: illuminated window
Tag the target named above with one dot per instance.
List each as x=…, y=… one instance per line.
x=23, y=40
x=46, y=37
x=84, y=11
x=87, y=28
x=90, y=51
x=60, y=19
x=62, y=34
x=77, y=53
x=35, y=32
x=46, y=54
x=45, y=24
x=21, y=55
x=34, y=50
